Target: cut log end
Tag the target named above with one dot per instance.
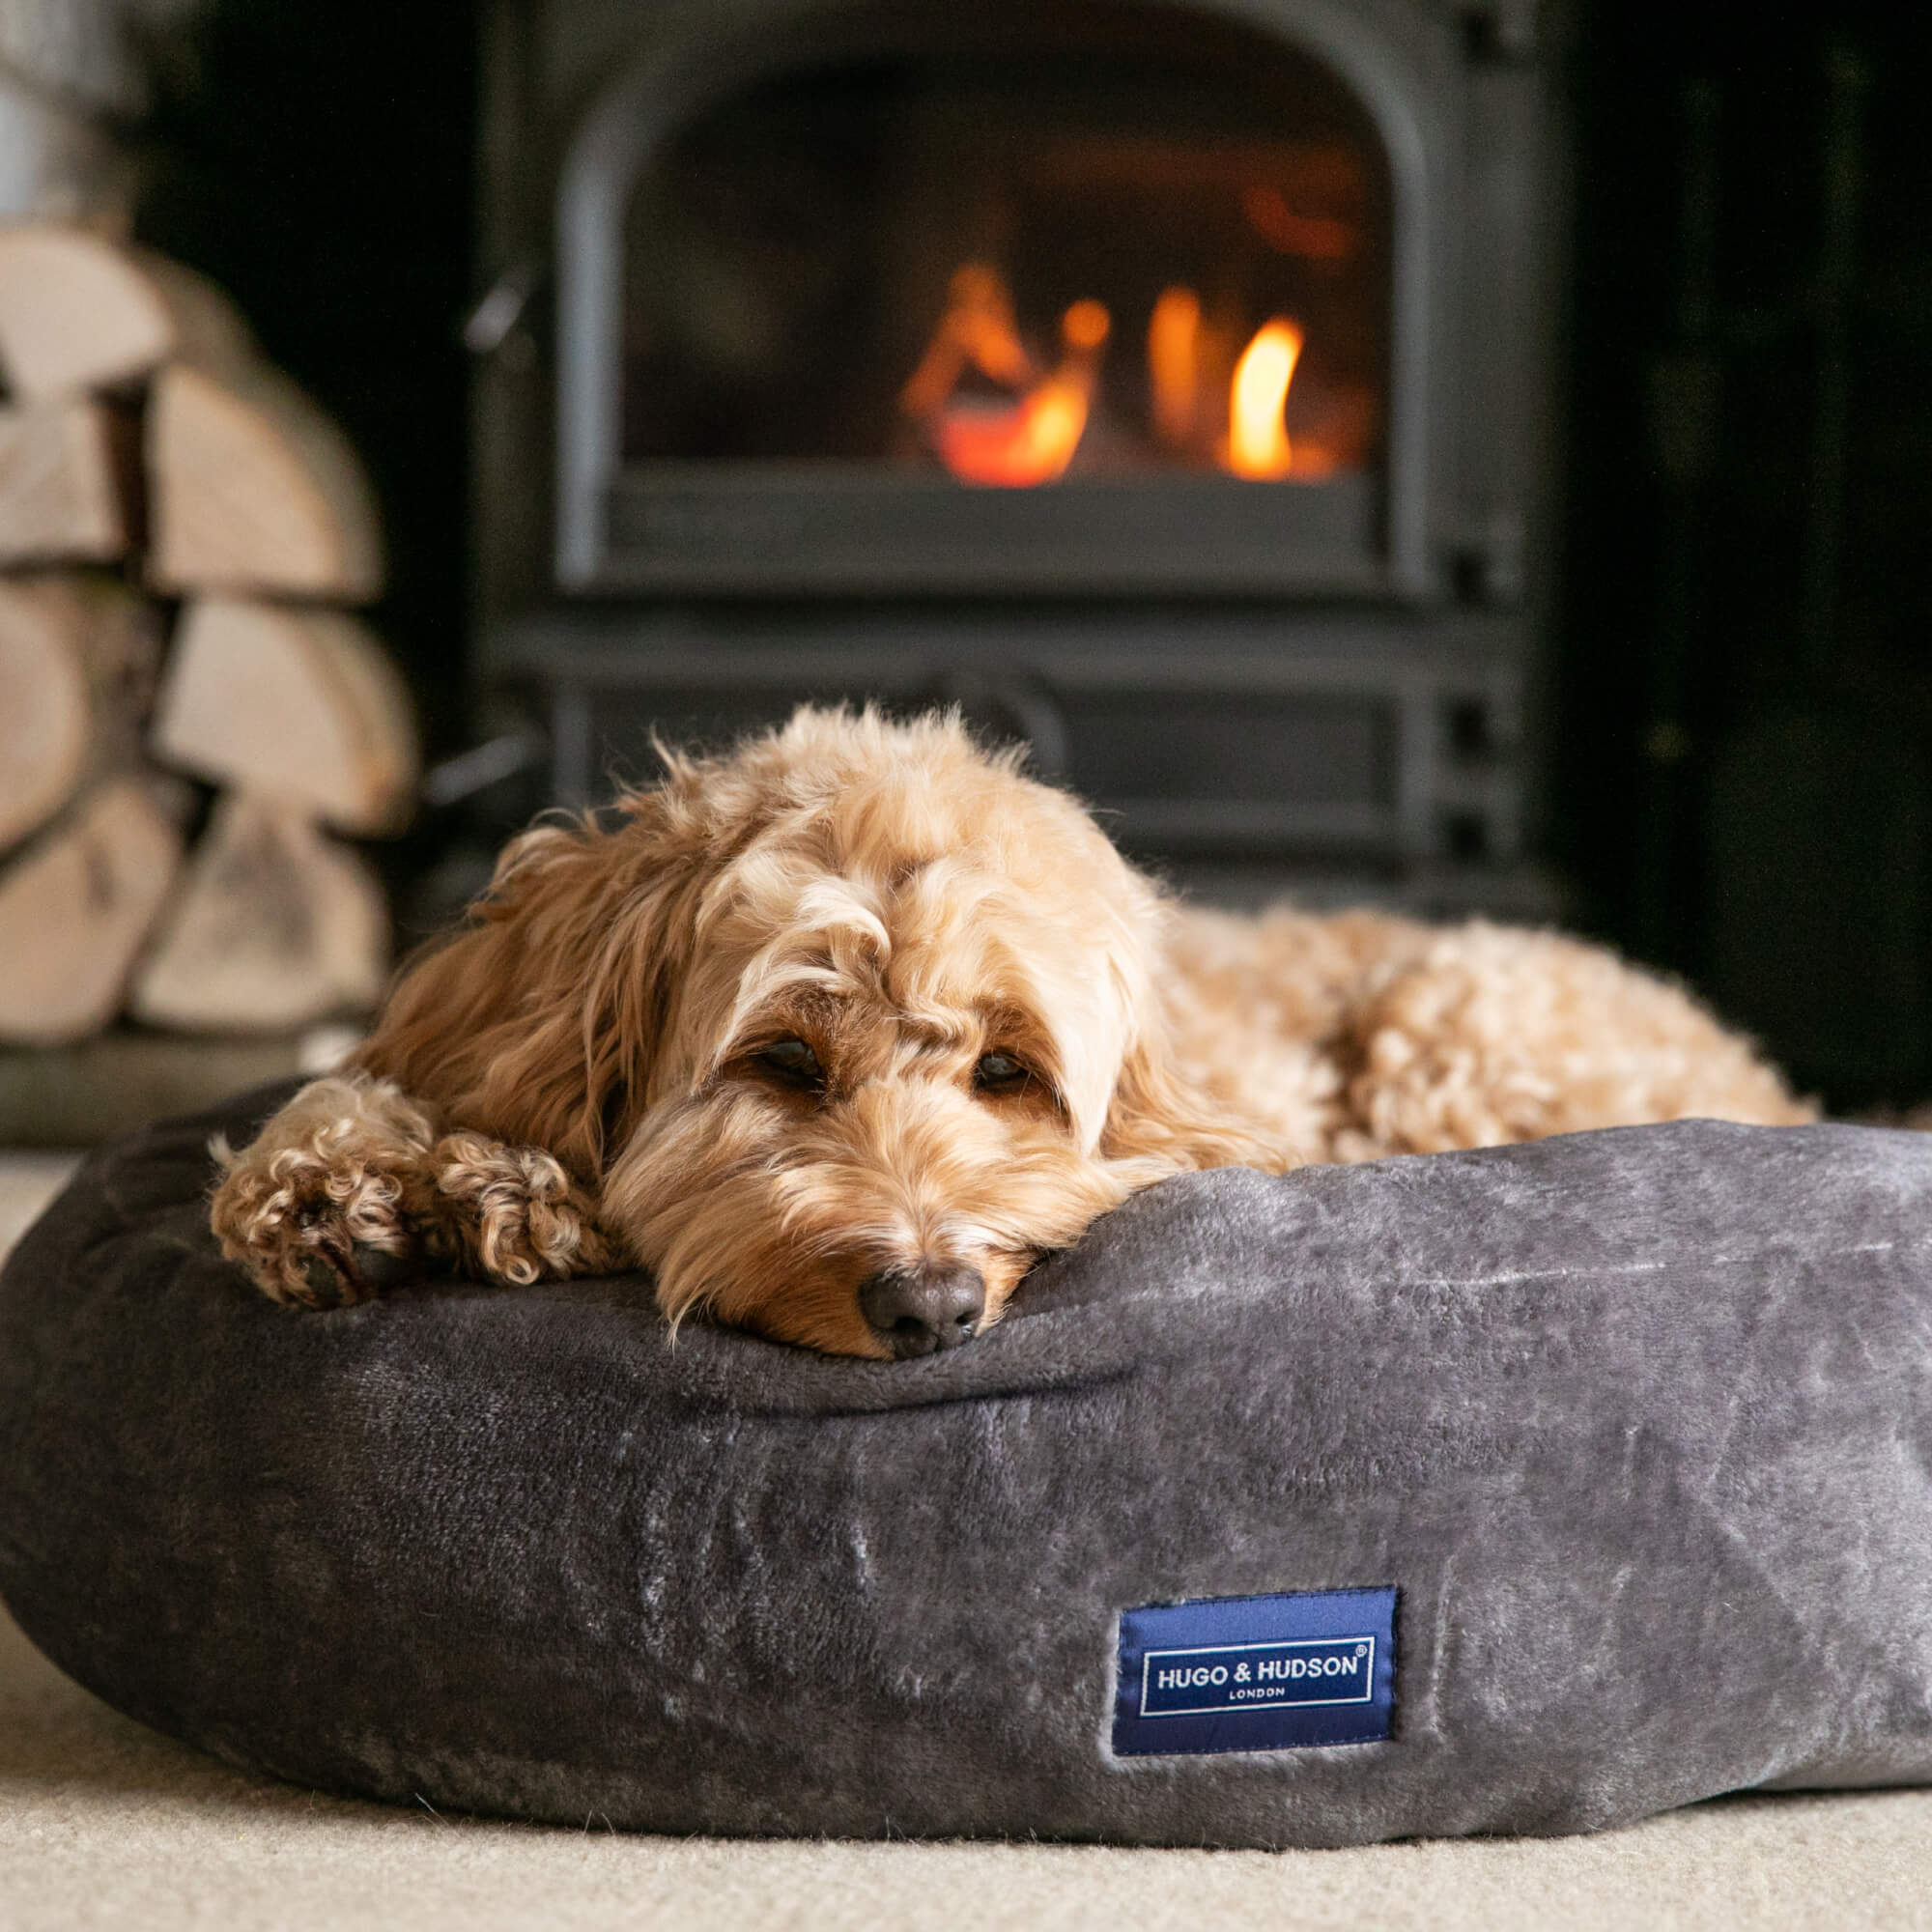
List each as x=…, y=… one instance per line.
x=251, y=489
x=78, y=663
x=276, y=928
x=74, y=911
x=67, y=483
x=44, y=723
x=301, y=704
x=76, y=312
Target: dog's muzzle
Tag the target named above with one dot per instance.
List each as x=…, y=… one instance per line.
x=920, y=1311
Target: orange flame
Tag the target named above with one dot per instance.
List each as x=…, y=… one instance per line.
x=1086, y=327
x=1014, y=444
x=977, y=328
x=1017, y=427
x=1257, y=437
x=1174, y=362
x=1031, y=442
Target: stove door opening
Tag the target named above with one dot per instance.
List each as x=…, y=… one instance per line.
x=1088, y=298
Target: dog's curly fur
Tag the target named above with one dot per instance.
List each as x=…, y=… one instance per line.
x=601, y=1067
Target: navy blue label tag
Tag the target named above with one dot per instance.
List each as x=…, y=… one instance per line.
x=1256, y=1673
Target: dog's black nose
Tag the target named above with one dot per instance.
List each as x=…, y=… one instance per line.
x=919, y=1311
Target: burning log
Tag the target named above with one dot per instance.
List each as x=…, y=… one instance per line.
x=1028, y=434
x=979, y=331
x=991, y=417
x=293, y=702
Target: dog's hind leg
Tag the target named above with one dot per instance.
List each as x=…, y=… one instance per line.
x=1490, y=1034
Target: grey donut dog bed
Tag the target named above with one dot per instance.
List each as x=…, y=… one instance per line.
x=1532, y=1489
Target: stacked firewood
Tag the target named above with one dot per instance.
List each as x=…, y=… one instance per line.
x=180, y=528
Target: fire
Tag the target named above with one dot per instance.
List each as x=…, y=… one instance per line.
x=1086, y=327
x=1174, y=363
x=1019, y=424
x=977, y=329
x=1257, y=444
x=1026, y=443
x=1017, y=440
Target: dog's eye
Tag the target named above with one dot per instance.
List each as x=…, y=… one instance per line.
x=792, y=1061
x=1000, y=1074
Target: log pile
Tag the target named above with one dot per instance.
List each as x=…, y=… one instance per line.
x=183, y=538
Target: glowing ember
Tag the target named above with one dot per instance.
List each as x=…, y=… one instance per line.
x=1174, y=357
x=1256, y=435
x=1315, y=236
x=1017, y=441
x=1026, y=443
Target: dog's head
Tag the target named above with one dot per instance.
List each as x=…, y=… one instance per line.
x=850, y=1026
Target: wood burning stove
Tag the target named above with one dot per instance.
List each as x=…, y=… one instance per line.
x=1163, y=381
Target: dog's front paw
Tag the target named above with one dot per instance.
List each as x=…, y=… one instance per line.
x=315, y=1231
x=515, y=1214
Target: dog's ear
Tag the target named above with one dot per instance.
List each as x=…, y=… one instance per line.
x=539, y=1020
x=1156, y=1117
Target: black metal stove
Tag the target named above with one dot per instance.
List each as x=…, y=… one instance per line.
x=1166, y=383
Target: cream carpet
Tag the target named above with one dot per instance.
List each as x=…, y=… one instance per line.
x=105, y=1824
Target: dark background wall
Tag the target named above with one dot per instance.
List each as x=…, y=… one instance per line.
x=1741, y=772
x=1744, y=655
x=314, y=158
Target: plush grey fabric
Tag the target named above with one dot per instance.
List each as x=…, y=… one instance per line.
x=1638, y=1423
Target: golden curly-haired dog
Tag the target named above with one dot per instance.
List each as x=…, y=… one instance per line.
x=837, y=1035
